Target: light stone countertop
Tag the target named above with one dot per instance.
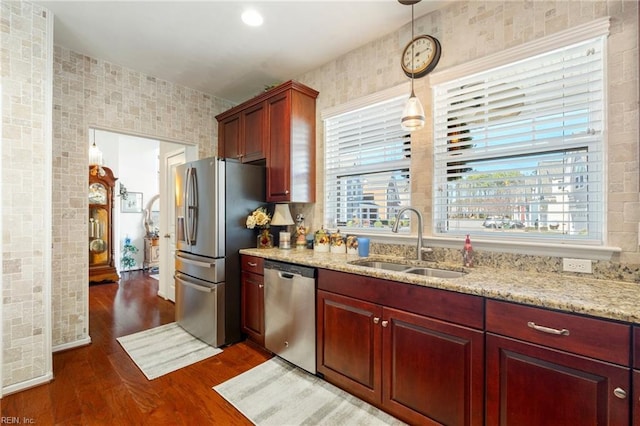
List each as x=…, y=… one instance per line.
x=616, y=300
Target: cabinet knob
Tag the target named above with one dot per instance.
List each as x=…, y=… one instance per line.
x=385, y=323
x=620, y=393
x=260, y=285
x=376, y=320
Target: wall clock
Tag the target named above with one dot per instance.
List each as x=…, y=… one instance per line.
x=420, y=56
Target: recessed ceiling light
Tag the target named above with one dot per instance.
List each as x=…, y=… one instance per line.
x=252, y=18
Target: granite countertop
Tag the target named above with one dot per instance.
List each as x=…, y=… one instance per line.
x=616, y=300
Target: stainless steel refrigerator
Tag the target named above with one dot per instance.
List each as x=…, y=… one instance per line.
x=213, y=199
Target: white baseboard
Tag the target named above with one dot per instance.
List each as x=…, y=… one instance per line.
x=36, y=381
x=72, y=345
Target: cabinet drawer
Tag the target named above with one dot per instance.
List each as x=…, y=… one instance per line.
x=252, y=264
x=463, y=309
x=601, y=339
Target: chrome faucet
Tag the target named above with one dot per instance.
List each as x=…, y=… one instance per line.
x=419, y=248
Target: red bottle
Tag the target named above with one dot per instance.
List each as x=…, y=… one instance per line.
x=467, y=253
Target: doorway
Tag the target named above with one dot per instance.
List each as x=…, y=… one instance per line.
x=138, y=164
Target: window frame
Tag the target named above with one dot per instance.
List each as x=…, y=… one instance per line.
x=582, y=33
x=400, y=91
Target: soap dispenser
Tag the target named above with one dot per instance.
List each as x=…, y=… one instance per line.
x=467, y=253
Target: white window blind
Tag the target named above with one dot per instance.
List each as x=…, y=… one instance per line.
x=367, y=159
x=518, y=150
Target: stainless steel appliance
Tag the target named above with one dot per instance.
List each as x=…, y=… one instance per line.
x=290, y=313
x=213, y=199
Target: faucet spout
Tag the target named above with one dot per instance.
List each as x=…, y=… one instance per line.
x=419, y=247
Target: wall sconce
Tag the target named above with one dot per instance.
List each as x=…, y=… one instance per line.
x=282, y=217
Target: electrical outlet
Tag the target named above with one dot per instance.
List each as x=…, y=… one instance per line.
x=576, y=265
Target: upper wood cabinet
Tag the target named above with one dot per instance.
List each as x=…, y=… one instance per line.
x=278, y=126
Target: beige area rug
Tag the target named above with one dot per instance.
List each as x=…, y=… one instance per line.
x=278, y=393
x=164, y=349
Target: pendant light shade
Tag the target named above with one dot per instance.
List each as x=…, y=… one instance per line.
x=95, y=155
x=413, y=114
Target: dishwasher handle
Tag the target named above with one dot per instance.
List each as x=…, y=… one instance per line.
x=286, y=275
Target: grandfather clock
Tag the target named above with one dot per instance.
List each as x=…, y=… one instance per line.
x=101, y=250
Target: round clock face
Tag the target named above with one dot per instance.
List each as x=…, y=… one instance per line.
x=420, y=56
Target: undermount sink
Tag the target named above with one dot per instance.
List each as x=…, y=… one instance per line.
x=388, y=266
x=433, y=272
x=409, y=269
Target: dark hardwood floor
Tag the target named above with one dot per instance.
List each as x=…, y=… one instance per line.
x=99, y=384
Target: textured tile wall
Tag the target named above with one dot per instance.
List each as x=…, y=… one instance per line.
x=26, y=87
x=92, y=92
x=470, y=30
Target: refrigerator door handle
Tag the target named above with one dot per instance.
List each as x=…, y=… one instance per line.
x=185, y=222
x=195, y=262
x=191, y=205
x=193, y=286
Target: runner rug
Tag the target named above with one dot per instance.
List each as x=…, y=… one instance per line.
x=278, y=393
x=164, y=349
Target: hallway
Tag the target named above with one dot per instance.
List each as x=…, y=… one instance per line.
x=99, y=384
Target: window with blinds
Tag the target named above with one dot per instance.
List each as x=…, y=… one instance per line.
x=518, y=150
x=367, y=159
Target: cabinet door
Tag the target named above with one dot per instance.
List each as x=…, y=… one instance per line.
x=254, y=136
x=229, y=137
x=253, y=306
x=279, y=141
x=636, y=397
x=530, y=385
x=349, y=339
x=433, y=371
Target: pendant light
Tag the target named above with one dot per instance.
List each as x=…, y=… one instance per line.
x=413, y=114
x=95, y=158
x=95, y=155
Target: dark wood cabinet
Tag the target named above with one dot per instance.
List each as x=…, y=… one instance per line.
x=349, y=344
x=242, y=135
x=635, y=377
x=252, y=294
x=278, y=127
x=420, y=369
x=254, y=133
x=229, y=137
x=101, y=250
x=433, y=371
x=291, y=172
x=556, y=368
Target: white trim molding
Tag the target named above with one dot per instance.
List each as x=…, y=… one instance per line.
x=368, y=100
x=551, y=42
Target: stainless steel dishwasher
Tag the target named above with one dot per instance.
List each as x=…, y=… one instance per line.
x=290, y=313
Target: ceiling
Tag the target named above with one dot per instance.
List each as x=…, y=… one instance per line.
x=205, y=45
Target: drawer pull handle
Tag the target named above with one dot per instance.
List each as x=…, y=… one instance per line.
x=376, y=320
x=385, y=323
x=620, y=393
x=252, y=264
x=549, y=330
